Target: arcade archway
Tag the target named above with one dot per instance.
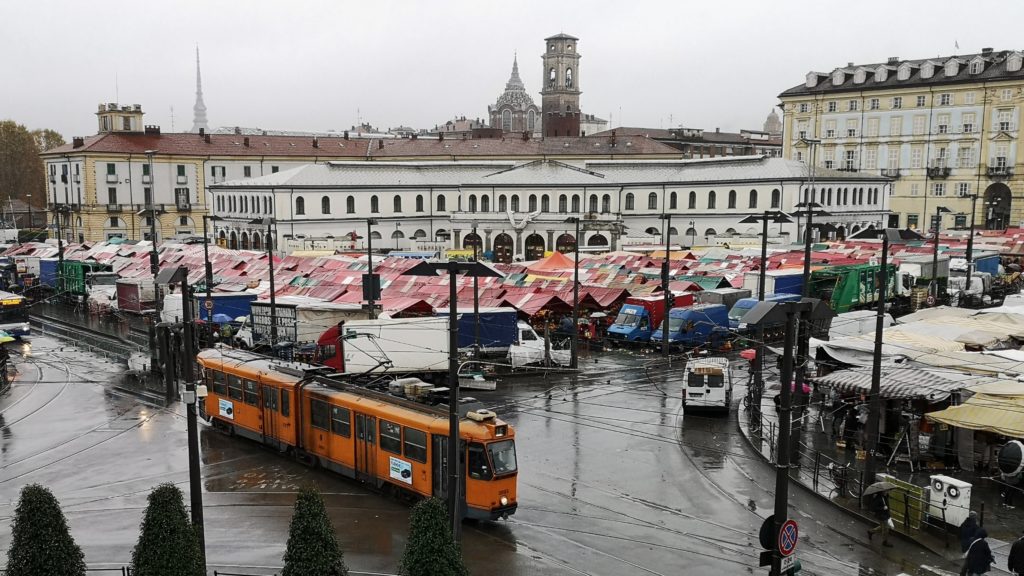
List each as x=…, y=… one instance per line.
x=534, y=247
x=565, y=243
x=503, y=246
x=997, y=206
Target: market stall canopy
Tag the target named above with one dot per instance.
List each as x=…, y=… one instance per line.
x=896, y=383
x=557, y=261
x=1001, y=412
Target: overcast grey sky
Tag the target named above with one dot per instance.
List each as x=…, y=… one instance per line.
x=312, y=65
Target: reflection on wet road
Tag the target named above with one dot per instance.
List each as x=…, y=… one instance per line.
x=613, y=479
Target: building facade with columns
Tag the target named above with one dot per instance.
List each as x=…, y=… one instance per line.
x=946, y=129
x=516, y=209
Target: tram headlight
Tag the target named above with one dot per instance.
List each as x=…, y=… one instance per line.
x=504, y=500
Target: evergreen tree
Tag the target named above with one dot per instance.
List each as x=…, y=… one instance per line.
x=431, y=550
x=168, y=545
x=40, y=540
x=313, y=548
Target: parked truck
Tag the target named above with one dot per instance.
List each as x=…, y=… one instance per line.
x=407, y=346
x=784, y=281
x=725, y=296
x=300, y=320
x=694, y=326
x=230, y=304
x=136, y=295
x=640, y=315
x=742, y=306
x=498, y=329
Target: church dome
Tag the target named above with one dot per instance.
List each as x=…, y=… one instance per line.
x=515, y=95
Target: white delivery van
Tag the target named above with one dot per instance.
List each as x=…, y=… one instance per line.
x=707, y=385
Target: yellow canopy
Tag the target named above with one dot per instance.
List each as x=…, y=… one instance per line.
x=989, y=412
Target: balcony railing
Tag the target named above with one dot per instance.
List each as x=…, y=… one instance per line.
x=112, y=179
x=115, y=208
x=182, y=179
x=183, y=206
x=938, y=171
x=891, y=172
x=150, y=207
x=147, y=179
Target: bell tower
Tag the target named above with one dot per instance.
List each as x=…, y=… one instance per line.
x=560, y=97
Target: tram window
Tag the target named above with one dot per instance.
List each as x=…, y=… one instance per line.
x=341, y=421
x=503, y=454
x=318, y=414
x=415, y=445
x=270, y=397
x=285, y=399
x=252, y=396
x=219, y=385
x=479, y=467
x=234, y=387
x=391, y=437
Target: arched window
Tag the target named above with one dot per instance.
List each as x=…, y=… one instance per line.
x=514, y=201
x=563, y=203
x=485, y=203
x=531, y=120
x=398, y=204
x=374, y=204
x=325, y=205
x=732, y=199
x=776, y=198
x=397, y=235
x=531, y=203
x=753, y=200
x=375, y=235
x=440, y=204
x=245, y=204
x=472, y=202
x=593, y=203
x=568, y=107
x=711, y=200
x=419, y=202
x=300, y=205
x=568, y=77
x=691, y=203
x=652, y=201
x=575, y=203
x=551, y=77
x=606, y=203
x=629, y=201
x=350, y=205
x=672, y=201
x=502, y=203
x=545, y=203
x=828, y=198
x=506, y=120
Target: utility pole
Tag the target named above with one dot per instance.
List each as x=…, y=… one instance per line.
x=934, y=287
x=575, y=351
x=371, y=286
x=970, y=242
x=792, y=311
x=876, y=364
x=665, y=271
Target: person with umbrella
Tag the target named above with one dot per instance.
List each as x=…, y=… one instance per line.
x=979, y=555
x=878, y=502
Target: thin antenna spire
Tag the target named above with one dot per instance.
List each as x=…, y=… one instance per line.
x=117, y=89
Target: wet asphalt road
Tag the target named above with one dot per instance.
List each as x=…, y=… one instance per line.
x=613, y=480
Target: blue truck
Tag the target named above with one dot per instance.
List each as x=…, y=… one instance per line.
x=498, y=329
x=639, y=316
x=232, y=305
x=740, y=308
x=693, y=326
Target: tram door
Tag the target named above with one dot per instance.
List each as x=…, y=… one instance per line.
x=440, y=466
x=366, y=447
x=270, y=421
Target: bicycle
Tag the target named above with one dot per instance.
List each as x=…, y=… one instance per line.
x=845, y=481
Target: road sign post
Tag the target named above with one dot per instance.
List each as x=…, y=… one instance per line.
x=788, y=537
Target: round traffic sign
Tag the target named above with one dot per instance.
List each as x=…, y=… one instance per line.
x=788, y=536
x=931, y=300
x=208, y=304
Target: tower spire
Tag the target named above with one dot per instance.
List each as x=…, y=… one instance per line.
x=514, y=81
x=199, y=109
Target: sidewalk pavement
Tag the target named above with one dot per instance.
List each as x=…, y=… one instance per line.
x=816, y=449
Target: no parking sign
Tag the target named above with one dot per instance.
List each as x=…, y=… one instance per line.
x=788, y=536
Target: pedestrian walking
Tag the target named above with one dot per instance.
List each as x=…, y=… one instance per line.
x=879, y=506
x=1016, y=562
x=968, y=530
x=979, y=556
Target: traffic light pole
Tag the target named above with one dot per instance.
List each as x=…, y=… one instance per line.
x=875, y=400
x=665, y=270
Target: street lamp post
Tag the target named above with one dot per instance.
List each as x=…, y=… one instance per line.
x=28, y=202
x=371, y=285
x=208, y=267
x=476, y=300
x=693, y=234
x=574, y=360
x=934, y=291
x=666, y=292
x=269, y=222
x=454, y=465
x=810, y=208
x=970, y=241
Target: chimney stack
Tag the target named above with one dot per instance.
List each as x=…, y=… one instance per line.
x=440, y=136
x=202, y=132
x=316, y=142
x=77, y=142
x=245, y=141
x=206, y=137
x=346, y=135
x=380, y=144
x=894, y=59
x=986, y=51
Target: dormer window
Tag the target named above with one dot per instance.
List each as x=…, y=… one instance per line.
x=838, y=77
x=1013, y=63
x=927, y=70
x=859, y=76
x=903, y=73
x=881, y=74
x=952, y=68
x=811, y=79
x=977, y=66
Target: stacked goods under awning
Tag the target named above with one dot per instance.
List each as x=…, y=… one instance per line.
x=996, y=407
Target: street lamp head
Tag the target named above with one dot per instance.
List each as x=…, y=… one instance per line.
x=810, y=141
x=664, y=217
x=372, y=222
x=572, y=220
x=263, y=221
x=943, y=210
x=212, y=217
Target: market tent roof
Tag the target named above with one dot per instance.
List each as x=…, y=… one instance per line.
x=896, y=383
x=557, y=261
x=989, y=412
x=937, y=312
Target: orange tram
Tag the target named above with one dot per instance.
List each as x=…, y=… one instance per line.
x=374, y=437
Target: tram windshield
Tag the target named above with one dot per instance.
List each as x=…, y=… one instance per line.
x=503, y=455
